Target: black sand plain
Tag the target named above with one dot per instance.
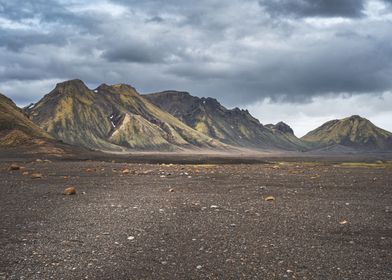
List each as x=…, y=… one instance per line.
x=196, y=218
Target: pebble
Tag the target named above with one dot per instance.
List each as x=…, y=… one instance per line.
x=70, y=191
x=269, y=198
x=36, y=176
x=131, y=237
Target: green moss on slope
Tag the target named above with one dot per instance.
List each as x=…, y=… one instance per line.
x=353, y=131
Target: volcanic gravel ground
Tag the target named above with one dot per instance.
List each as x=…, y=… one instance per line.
x=195, y=221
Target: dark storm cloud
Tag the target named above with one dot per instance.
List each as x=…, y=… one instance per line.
x=314, y=8
x=230, y=49
x=133, y=53
x=17, y=41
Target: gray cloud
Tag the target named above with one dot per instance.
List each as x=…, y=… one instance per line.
x=313, y=8
x=232, y=50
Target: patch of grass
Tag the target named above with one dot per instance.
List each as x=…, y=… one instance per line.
x=377, y=164
x=205, y=165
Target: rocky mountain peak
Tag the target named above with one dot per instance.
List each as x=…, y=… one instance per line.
x=283, y=127
x=75, y=84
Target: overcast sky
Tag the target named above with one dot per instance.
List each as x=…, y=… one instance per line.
x=300, y=61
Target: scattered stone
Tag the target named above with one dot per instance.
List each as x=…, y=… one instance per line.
x=14, y=167
x=70, y=191
x=36, y=176
x=25, y=173
x=343, y=222
x=270, y=198
x=171, y=190
x=126, y=171
x=199, y=267
x=131, y=237
x=214, y=206
x=39, y=160
x=146, y=172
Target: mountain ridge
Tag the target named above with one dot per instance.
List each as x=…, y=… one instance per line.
x=232, y=126
x=80, y=116
x=117, y=118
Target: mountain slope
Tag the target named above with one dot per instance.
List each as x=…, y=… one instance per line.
x=111, y=117
x=15, y=127
x=235, y=127
x=354, y=132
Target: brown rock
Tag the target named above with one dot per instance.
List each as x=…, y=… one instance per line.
x=171, y=190
x=70, y=191
x=36, y=176
x=269, y=198
x=14, y=167
x=126, y=171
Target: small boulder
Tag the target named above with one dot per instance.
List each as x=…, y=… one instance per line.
x=126, y=171
x=36, y=176
x=14, y=167
x=70, y=191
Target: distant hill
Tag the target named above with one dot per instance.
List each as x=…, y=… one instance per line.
x=112, y=117
x=16, y=128
x=354, y=132
x=235, y=127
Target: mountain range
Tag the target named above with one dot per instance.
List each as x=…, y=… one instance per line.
x=234, y=127
x=114, y=118
x=117, y=118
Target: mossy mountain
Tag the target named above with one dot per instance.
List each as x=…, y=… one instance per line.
x=113, y=117
x=16, y=128
x=354, y=132
x=232, y=126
